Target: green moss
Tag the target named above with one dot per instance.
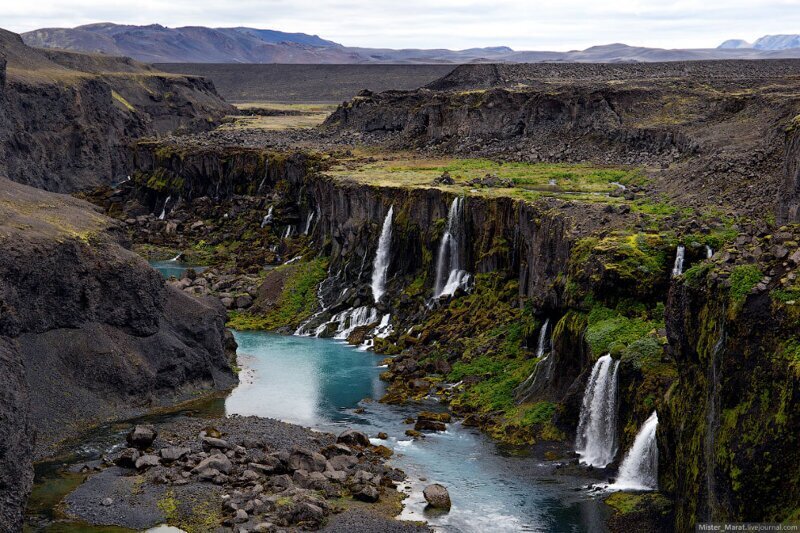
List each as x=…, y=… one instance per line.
x=169, y=506
x=297, y=301
x=608, y=330
x=697, y=273
x=743, y=278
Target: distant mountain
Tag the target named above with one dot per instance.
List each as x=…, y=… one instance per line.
x=777, y=42
x=767, y=42
x=197, y=44
x=735, y=43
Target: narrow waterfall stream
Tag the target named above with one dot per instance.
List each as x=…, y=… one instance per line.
x=450, y=273
x=543, y=371
x=267, y=218
x=677, y=268
x=163, y=214
x=382, y=258
x=639, y=469
x=596, y=440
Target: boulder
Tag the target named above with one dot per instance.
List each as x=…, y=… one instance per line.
x=127, y=458
x=302, y=459
x=368, y=494
x=147, y=461
x=142, y=436
x=216, y=462
x=352, y=437
x=173, y=453
x=437, y=496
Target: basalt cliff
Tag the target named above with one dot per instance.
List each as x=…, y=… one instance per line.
x=88, y=333
x=67, y=119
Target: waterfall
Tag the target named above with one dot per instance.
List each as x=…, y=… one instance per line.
x=639, y=470
x=596, y=440
x=543, y=371
x=177, y=257
x=163, y=214
x=309, y=220
x=382, y=258
x=354, y=318
x=677, y=269
x=289, y=231
x=267, y=218
x=450, y=274
x=709, y=252
x=541, y=346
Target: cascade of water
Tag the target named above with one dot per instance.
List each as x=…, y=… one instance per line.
x=347, y=321
x=309, y=220
x=596, y=439
x=450, y=274
x=543, y=371
x=163, y=214
x=709, y=252
x=639, y=470
x=289, y=231
x=382, y=258
x=177, y=257
x=541, y=346
x=677, y=269
x=267, y=218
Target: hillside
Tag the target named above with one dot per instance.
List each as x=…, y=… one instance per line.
x=307, y=83
x=195, y=44
x=70, y=117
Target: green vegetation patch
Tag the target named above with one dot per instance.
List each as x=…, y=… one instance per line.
x=528, y=180
x=610, y=331
x=743, y=278
x=297, y=300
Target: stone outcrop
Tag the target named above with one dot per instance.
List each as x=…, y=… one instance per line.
x=68, y=119
x=728, y=437
x=88, y=332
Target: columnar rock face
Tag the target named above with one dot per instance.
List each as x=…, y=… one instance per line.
x=16, y=436
x=68, y=119
x=728, y=438
x=87, y=328
x=790, y=195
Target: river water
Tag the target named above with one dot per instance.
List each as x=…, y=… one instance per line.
x=320, y=383
x=328, y=385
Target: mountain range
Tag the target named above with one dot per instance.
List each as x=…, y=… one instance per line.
x=197, y=44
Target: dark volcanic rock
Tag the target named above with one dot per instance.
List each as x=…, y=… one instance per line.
x=141, y=436
x=16, y=435
x=68, y=119
x=87, y=331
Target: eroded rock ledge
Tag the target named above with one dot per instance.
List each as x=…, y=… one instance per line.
x=88, y=332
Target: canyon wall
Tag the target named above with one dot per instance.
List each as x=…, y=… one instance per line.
x=88, y=333
x=68, y=119
x=704, y=391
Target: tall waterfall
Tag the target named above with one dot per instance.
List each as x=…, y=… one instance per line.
x=543, y=371
x=450, y=273
x=541, y=346
x=382, y=258
x=309, y=220
x=267, y=218
x=677, y=269
x=596, y=441
x=639, y=470
x=163, y=214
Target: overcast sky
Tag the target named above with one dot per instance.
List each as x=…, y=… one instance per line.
x=520, y=24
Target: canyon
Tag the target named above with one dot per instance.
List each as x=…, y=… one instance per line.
x=594, y=264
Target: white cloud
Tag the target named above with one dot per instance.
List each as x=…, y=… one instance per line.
x=521, y=24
